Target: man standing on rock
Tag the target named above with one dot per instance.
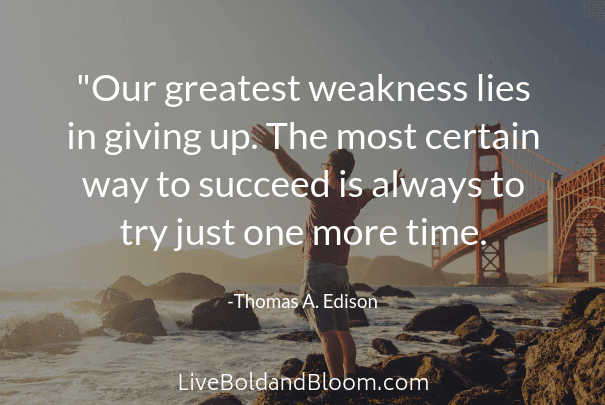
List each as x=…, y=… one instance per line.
x=325, y=270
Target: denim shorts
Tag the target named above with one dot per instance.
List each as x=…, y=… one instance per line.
x=319, y=279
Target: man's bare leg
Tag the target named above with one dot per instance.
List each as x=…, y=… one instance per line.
x=349, y=351
x=333, y=352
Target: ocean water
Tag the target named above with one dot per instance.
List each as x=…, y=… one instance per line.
x=101, y=371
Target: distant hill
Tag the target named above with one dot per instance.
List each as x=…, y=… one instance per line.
x=108, y=261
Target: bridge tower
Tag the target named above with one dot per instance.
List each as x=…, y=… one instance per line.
x=489, y=254
x=436, y=276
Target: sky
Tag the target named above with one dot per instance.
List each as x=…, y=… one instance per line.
x=44, y=208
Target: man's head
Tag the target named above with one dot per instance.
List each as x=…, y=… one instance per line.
x=339, y=160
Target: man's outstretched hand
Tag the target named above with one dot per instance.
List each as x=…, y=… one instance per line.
x=264, y=138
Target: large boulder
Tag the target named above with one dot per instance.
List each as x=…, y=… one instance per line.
x=596, y=305
x=388, y=291
x=384, y=346
x=441, y=318
x=486, y=395
x=223, y=313
x=113, y=296
x=474, y=329
x=291, y=367
x=527, y=335
x=439, y=371
x=501, y=339
x=184, y=286
x=147, y=326
x=567, y=366
x=127, y=284
x=362, y=287
x=479, y=367
x=53, y=328
x=577, y=303
x=121, y=315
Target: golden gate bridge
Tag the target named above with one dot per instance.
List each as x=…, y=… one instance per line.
x=572, y=202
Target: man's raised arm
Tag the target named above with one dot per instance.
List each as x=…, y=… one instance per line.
x=266, y=139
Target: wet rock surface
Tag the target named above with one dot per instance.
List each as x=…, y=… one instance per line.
x=53, y=328
x=384, y=346
x=441, y=318
x=474, y=329
x=121, y=315
x=389, y=291
x=222, y=313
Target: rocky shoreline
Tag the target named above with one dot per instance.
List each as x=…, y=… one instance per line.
x=562, y=365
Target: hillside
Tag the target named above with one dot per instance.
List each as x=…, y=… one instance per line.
x=108, y=261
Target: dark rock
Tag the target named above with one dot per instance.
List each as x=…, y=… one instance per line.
x=480, y=348
x=384, y=346
x=95, y=332
x=113, y=296
x=291, y=367
x=439, y=371
x=146, y=326
x=567, y=366
x=514, y=386
x=185, y=286
x=454, y=342
x=507, y=305
x=358, y=323
x=315, y=363
x=501, y=339
x=478, y=366
x=382, y=304
x=577, y=303
x=594, y=306
x=554, y=323
x=222, y=398
x=362, y=287
x=121, y=315
x=524, y=321
x=514, y=367
x=527, y=335
x=412, y=338
x=136, y=338
x=441, y=318
x=495, y=311
x=486, y=395
x=223, y=313
x=521, y=350
x=53, y=328
x=404, y=365
x=127, y=284
x=305, y=336
x=403, y=307
x=388, y=291
x=85, y=307
x=474, y=329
